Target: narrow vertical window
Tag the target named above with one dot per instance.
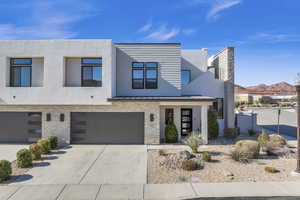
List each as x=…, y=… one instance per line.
x=138, y=75
x=218, y=107
x=20, y=72
x=151, y=75
x=185, y=77
x=91, y=72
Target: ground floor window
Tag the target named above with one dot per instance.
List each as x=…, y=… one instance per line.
x=219, y=108
x=169, y=115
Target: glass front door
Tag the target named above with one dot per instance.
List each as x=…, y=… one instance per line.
x=186, y=121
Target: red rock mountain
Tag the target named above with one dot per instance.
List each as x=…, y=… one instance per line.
x=277, y=88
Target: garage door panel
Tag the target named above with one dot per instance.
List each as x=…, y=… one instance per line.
x=19, y=127
x=107, y=128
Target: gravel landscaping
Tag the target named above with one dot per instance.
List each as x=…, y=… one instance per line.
x=221, y=169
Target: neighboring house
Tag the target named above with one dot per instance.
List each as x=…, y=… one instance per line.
x=97, y=91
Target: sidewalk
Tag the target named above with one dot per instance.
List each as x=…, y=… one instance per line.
x=149, y=191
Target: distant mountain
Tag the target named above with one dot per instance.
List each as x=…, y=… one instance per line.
x=277, y=88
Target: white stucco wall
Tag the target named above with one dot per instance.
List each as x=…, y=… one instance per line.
x=54, y=53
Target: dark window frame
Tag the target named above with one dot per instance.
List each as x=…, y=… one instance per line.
x=91, y=65
x=15, y=66
x=138, y=79
x=190, y=76
x=144, y=80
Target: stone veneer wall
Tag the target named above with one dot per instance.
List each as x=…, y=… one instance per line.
x=62, y=129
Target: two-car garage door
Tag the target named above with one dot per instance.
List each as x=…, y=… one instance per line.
x=107, y=128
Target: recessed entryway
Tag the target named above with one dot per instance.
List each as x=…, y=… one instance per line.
x=107, y=128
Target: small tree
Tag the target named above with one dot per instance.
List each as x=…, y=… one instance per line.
x=171, y=133
x=213, y=127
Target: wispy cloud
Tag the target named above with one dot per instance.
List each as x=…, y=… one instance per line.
x=273, y=37
x=189, y=31
x=49, y=20
x=146, y=27
x=163, y=33
x=216, y=6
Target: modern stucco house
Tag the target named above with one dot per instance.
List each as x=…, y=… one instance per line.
x=97, y=91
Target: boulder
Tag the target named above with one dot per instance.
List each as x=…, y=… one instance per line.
x=277, y=140
x=185, y=155
x=249, y=148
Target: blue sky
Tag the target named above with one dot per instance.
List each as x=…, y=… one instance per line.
x=266, y=33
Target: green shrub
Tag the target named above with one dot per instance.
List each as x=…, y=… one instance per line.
x=263, y=139
x=206, y=156
x=36, y=151
x=24, y=158
x=248, y=148
x=272, y=170
x=171, y=133
x=230, y=133
x=194, y=141
x=5, y=170
x=45, y=145
x=53, y=142
x=213, y=126
x=189, y=165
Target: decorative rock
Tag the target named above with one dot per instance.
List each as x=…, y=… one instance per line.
x=195, y=180
x=228, y=173
x=185, y=155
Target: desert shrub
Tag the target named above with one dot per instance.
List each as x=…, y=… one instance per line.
x=263, y=140
x=249, y=148
x=53, y=142
x=277, y=140
x=36, y=151
x=272, y=170
x=251, y=132
x=194, y=141
x=171, y=133
x=162, y=152
x=212, y=123
x=239, y=156
x=206, y=156
x=230, y=133
x=24, y=158
x=5, y=170
x=45, y=145
x=189, y=165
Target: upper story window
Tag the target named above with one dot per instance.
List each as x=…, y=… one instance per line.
x=144, y=75
x=20, y=72
x=91, y=72
x=185, y=77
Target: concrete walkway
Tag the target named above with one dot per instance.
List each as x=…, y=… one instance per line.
x=149, y=191
x=9, y=151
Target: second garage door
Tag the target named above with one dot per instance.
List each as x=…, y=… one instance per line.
x=107, y=128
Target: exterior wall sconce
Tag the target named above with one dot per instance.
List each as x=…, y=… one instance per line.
x=62, y=117
x=48, y=117
x=151, y=117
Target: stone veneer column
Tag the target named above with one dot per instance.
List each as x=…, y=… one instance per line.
x=55, y=127
x=152, y=128
x=204, y=128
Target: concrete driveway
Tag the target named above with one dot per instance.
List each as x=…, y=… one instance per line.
x=91, y=164
x=9, y=151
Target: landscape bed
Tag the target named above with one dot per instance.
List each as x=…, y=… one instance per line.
x=222, y=168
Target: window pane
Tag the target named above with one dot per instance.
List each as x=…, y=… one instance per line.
x=87, y=73
x=21, y=61
x=185, y=77
x=137, y=64
x=169, y=116
x=137, y=83
x=91, y=60
x=138, y=74
x=25, y=76
x=151, y=83
x=16, y=76
x=97, y=76
x=151, y=64
x=151, y=73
